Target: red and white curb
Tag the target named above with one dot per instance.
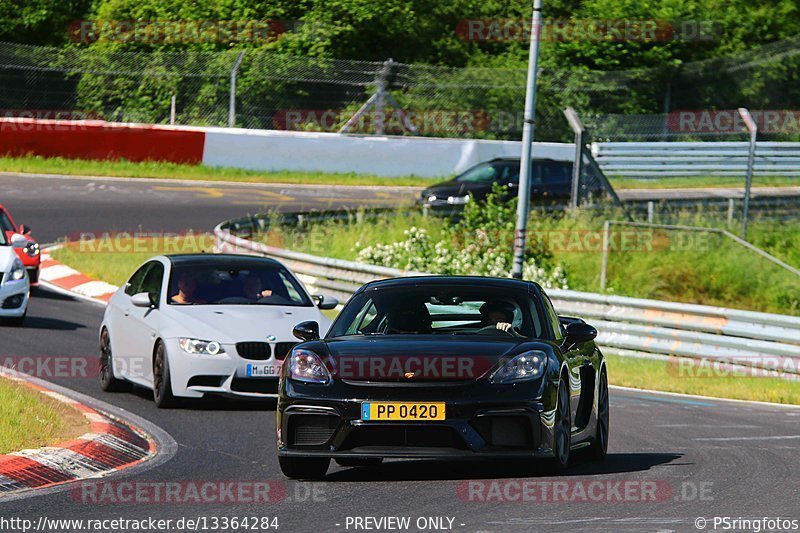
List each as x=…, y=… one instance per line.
x=110, y=446
x=55, y=275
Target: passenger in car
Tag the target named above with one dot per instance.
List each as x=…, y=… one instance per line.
x=187, y=286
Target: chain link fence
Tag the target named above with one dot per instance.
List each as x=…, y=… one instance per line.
x=313, y=94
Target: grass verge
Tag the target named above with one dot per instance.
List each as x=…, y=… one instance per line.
x=154, y=169
x=29, y=419
x=664, y=376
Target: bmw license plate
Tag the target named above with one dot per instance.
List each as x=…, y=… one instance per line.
x=263, y=371
x=402, y=411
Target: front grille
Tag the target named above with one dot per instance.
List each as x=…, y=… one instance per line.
x=13, y=302
x=282, y=349
x=206, y=381
x=505, y=431
x=428, y=436
x=258, y=385
x=256, y=351
x=311, y=430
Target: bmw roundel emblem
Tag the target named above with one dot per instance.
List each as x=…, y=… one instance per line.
x=272, y=338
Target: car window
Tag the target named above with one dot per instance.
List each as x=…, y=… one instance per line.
x=436, y=309
x=552, y=317
x=152, y=281
x=555, y=172
x=134, y=285
x=484, y=173
x=5, y=222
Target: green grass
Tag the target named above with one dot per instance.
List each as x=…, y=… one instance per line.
x=153, y=169
x=694, y=182
x=665, y=376
x=29, y=419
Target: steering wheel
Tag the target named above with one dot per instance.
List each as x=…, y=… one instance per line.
x=492, y=330
x=234, y=300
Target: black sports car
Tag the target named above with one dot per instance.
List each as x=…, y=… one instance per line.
x=442, y=367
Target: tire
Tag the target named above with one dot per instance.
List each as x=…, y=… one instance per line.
x=562, y=430
x=355, y=462
x=109, y=382
x=599, y=447
x=162, y=388
x=304, y=467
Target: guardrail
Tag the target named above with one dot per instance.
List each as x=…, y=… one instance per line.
x=673, y=159
x=628, y=326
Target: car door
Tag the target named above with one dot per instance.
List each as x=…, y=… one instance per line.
x=555, y=178
x=575, y=360
x=142, y=324
x=117, y=315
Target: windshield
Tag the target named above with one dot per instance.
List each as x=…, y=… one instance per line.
x=439, y=310
x=233, y=285
x=490, y=172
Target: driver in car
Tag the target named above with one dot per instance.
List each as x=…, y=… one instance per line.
x=187, y=285
x=253, y=288
x=500, y=315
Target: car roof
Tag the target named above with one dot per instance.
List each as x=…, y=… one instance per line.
x=472, y=281
x=233, y=259
x=538, y=159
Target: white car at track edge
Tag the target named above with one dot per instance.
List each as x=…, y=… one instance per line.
x=190, y=325
x=15, y=285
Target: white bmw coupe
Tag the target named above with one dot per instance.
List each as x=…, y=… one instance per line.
x=14, y=281
x=196, y=324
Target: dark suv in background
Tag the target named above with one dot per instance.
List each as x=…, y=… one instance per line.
x=551, y=182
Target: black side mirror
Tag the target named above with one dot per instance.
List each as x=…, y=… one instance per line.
x=580, y=332
x=306, y=331
x=325, y=302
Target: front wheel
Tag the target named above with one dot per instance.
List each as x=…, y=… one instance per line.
x=562, y=431
x=108, y=381
x=599, y=447
x=162, y=388
x=304, y=467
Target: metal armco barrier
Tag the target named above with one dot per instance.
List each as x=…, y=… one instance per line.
x=744, y=338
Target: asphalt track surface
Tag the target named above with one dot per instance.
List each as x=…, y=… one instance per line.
x=707, y=458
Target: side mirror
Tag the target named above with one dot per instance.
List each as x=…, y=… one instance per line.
x=325, y=302
x=580, y=332
x=306, y=331
x=25, y=230
x=141, y=299
x=18, y=241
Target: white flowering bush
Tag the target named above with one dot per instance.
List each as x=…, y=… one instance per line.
x=480, y=244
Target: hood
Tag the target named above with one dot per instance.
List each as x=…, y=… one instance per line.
x=423, y=358
x=455, y=188
x=7, y=256
x=229, y=324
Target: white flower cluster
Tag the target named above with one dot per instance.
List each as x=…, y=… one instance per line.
x=479, y=258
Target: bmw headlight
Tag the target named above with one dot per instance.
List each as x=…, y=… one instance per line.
x=17, y=271
x=32, y=248
x=200, y=347
x=524, y=367
x=306, y=366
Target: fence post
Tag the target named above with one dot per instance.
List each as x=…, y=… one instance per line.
x=232, y=98
x=577, y=165
x=606, y=249
x=751, y=155
x=731, y=207
x=172, y=110
x=651, y=211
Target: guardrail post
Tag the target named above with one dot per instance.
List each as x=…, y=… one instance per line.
x=731, y=207
x=651, y=211
x=232, y=98
x=751, y=156
x=172, y=110
x=606, y=249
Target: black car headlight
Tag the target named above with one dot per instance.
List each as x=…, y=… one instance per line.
x=306, y=366
x=524, y=367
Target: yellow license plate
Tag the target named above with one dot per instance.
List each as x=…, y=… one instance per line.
x=402, y=411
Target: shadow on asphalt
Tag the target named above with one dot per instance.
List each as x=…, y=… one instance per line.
x=210, y=403
x=40, y=322
x=424, y=470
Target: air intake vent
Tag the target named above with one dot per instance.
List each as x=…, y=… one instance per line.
x=312, y=430
x=256, y=351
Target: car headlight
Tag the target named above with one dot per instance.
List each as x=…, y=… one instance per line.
x=306, y=366
x=200, y=347
x=458, y=200
x=32, y=248
x=524, y=367
x=17, y=271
